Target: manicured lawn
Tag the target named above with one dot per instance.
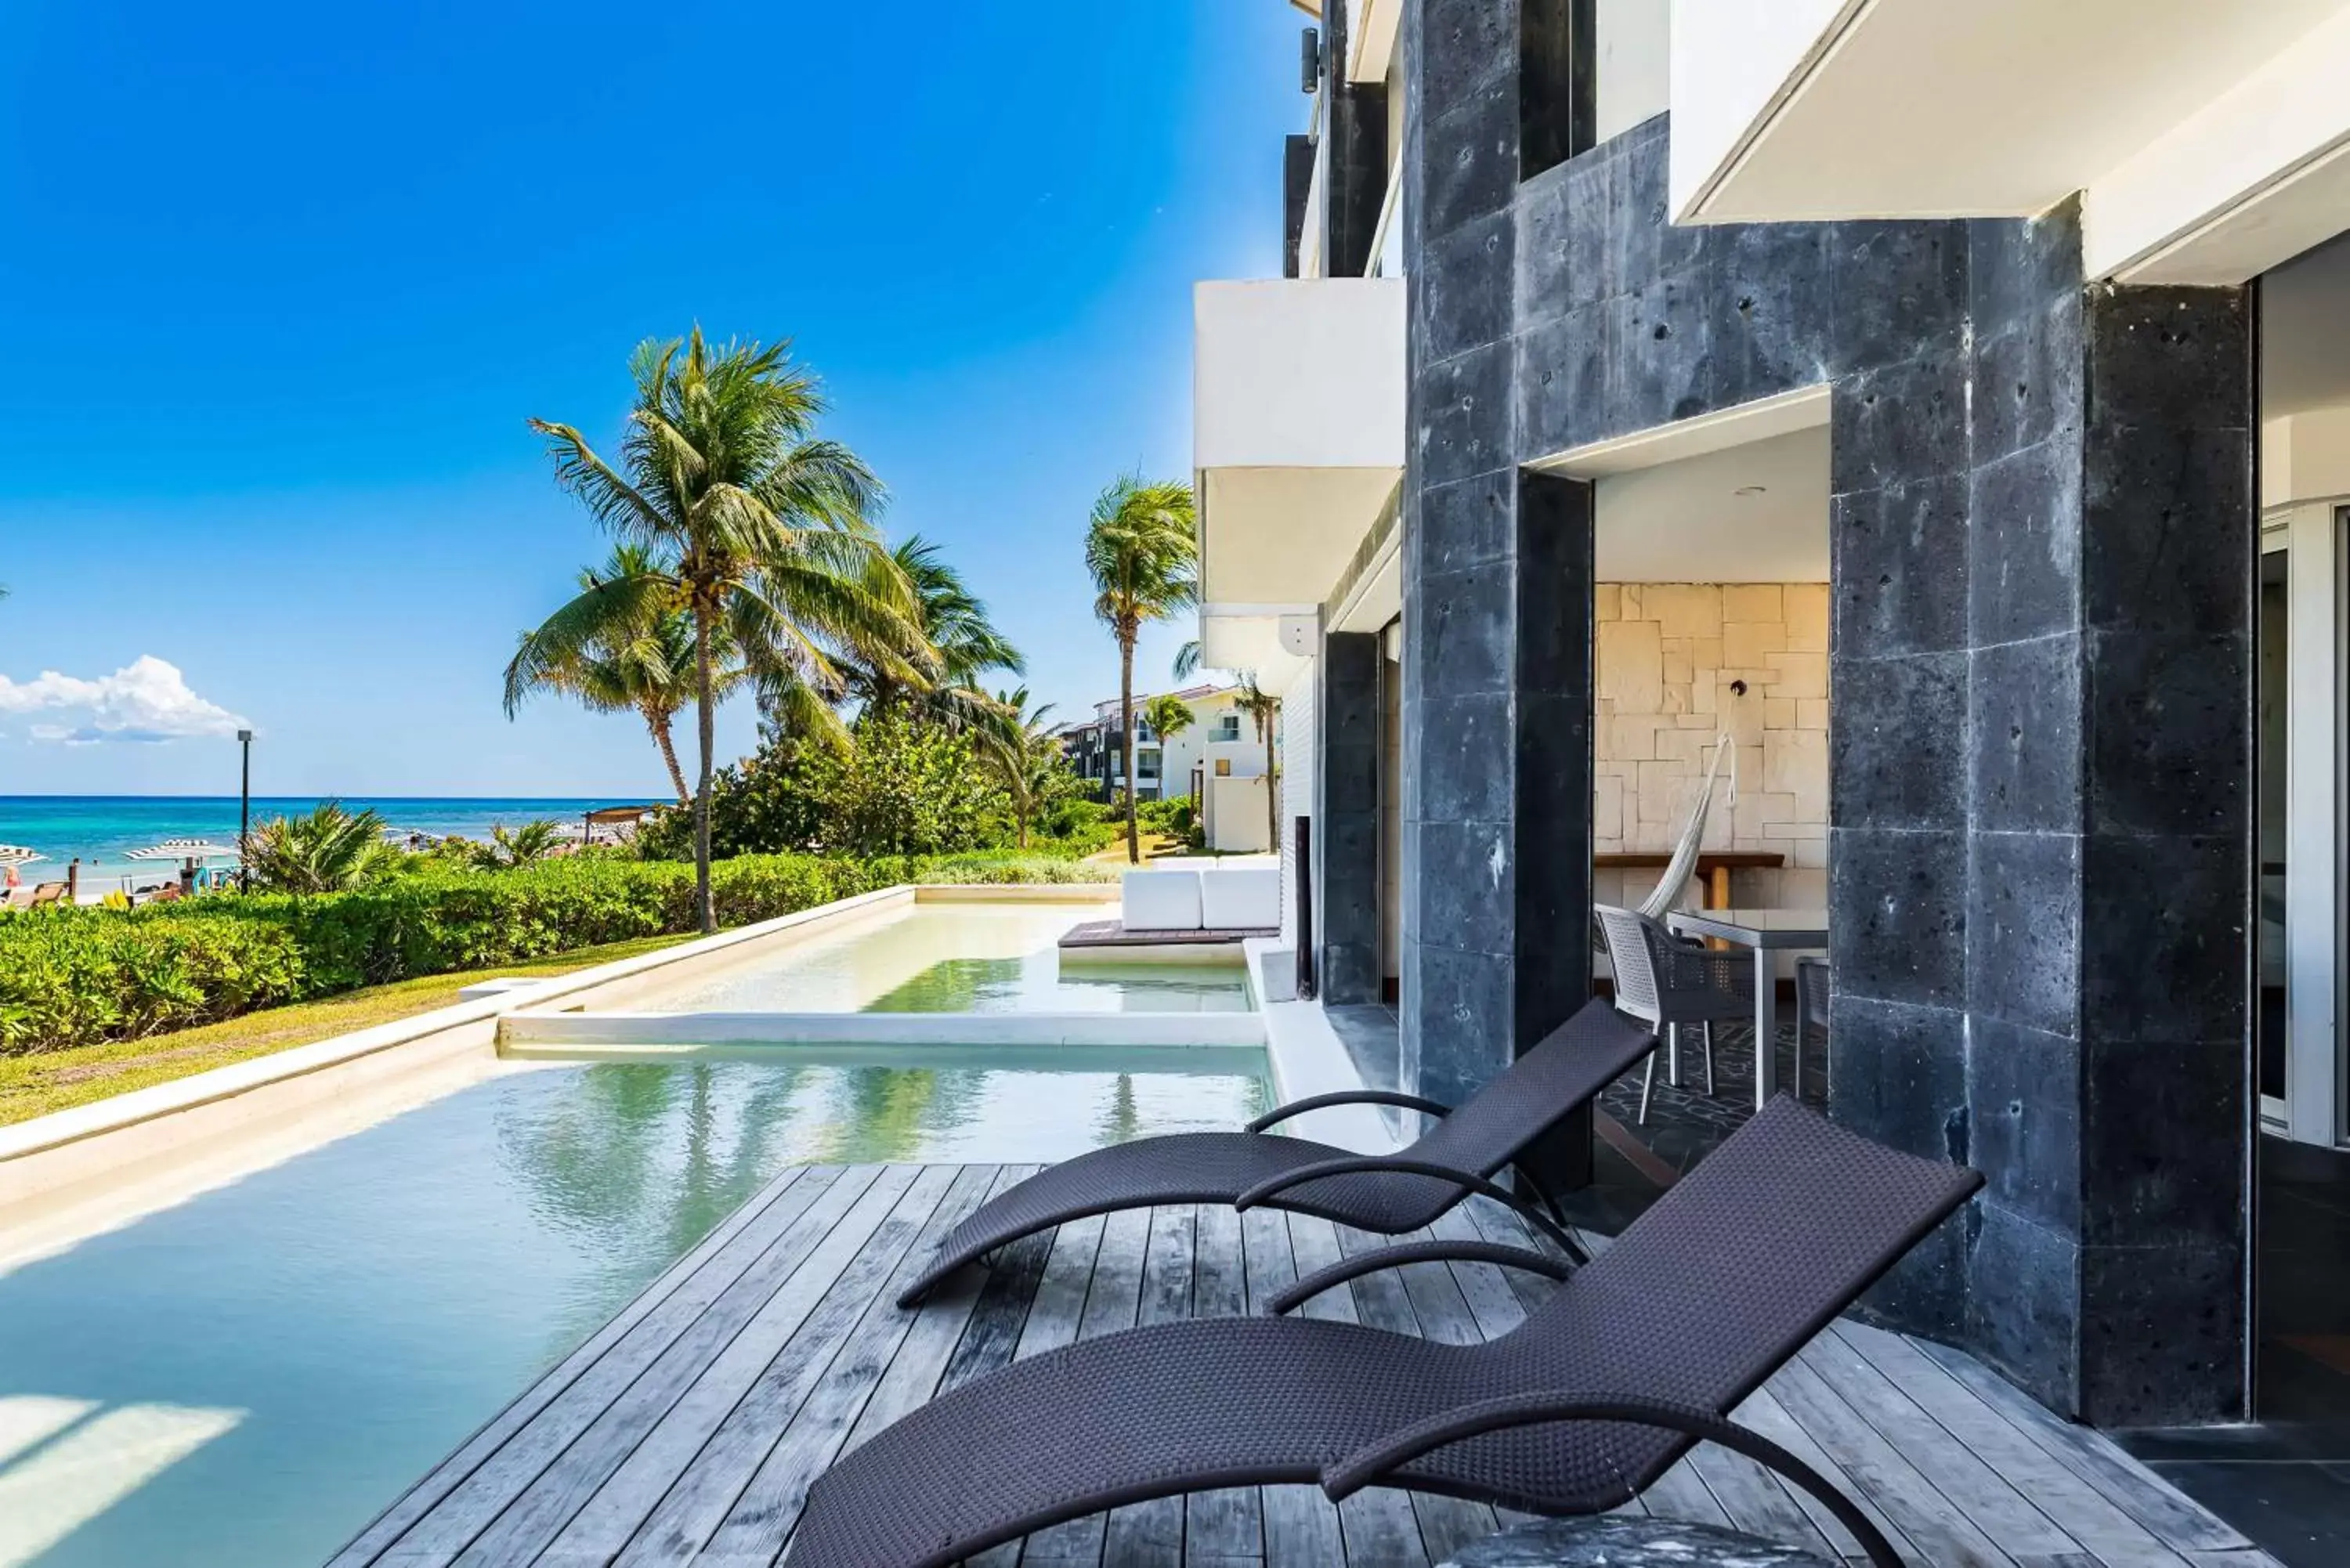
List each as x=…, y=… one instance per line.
x=54, y=1080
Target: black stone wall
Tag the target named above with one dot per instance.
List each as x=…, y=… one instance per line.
x=2041, y=533
x=1355, y=121
x=1496, y=878
x=1346, y=819
x=1296, y=185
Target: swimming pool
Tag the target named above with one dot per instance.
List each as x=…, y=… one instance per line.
x=958, y=957
x=248, y=1376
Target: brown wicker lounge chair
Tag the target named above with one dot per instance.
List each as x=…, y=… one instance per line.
x=1386, y=1194
x=1640, y=1354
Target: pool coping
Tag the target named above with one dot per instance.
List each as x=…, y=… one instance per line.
x=109, y=1138
x=121, y=1113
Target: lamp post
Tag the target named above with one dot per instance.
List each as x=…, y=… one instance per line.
x=244, y=815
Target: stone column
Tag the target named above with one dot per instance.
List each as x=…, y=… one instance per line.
x=1355, y=127
x=1497, y=573
x=1347, y=820
x=2042, y=559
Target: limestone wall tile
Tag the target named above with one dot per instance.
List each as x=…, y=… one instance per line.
x=1607, y=602
x=1607, y=811
x=1660, y=784
x=1664, y=691
x=1807, y=618
x=1753, y=642
x=1756, y=807
x=1800, y=675
x=1632, y=738
x=1683, y=746
x=1632, y=665
x=1683, y=609
x=1795, y=763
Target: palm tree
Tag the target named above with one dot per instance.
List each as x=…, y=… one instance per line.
x=754, y=527
x=639, y=659
x=1264, y=708
x=329, y=851
x=533, y=841
x=1169, y=715
x=1143, y=551
x=1022, y=755
x=1187, y=659
x=959, y=644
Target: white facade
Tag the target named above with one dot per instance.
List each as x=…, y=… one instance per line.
x=2206, y=140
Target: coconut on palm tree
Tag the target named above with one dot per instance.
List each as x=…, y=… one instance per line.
x=637, y=659
x=756, y=529
x=1143, y=552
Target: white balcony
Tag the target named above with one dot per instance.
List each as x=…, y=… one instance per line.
x=2205, y=136
x=1297, y=433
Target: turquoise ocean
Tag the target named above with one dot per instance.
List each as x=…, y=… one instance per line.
x=101, y=830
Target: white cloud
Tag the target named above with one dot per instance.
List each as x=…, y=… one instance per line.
x=147, y=701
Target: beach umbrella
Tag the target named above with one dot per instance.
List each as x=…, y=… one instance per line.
x=17, y=854
x=183, y=849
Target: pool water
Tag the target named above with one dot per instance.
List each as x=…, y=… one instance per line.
x=245, y=1379
x=963, y=958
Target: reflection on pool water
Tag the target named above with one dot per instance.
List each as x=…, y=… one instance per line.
x=960, y=958
x=245, y=1379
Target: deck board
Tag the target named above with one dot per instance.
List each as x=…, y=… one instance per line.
x=689, y=1428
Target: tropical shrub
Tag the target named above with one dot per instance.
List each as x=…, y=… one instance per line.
x=1168, y=818
x=328, y=851
x=530, y=843
x=900, y=786
x=903, y=789
x=75, y=977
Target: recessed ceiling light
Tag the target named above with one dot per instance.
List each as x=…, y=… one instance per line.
x=1749, y=489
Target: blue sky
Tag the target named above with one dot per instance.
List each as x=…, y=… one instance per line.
x=281, y=284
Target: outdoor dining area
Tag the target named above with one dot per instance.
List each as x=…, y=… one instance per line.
x=1690, y=973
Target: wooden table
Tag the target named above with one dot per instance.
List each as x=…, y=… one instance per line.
x=1768, y=932
x=1713, y=867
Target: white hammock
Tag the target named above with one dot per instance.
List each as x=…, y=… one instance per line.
x=1685, y=854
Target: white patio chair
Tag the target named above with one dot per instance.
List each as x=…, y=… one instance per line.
x=1666, y=980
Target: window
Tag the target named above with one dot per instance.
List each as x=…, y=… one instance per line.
x=1228, y=727
x=1556, y=102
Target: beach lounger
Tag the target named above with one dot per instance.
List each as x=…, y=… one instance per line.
x=1380, y=1193
x=1640, y=1354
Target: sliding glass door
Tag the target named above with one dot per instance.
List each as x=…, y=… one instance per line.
x=2301, y=826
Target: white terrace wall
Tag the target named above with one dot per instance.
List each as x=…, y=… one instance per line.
x=1669, y=654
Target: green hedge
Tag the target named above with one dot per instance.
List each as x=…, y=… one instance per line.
x=76, y=976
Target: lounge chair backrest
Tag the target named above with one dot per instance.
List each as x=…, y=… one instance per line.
x=1744, y=1260
x=1578, y=1059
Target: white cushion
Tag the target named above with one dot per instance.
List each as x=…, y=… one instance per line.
x=1241, y=900
x=1161, y=901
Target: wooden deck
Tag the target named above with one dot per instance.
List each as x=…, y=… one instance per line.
x=688, y=1428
